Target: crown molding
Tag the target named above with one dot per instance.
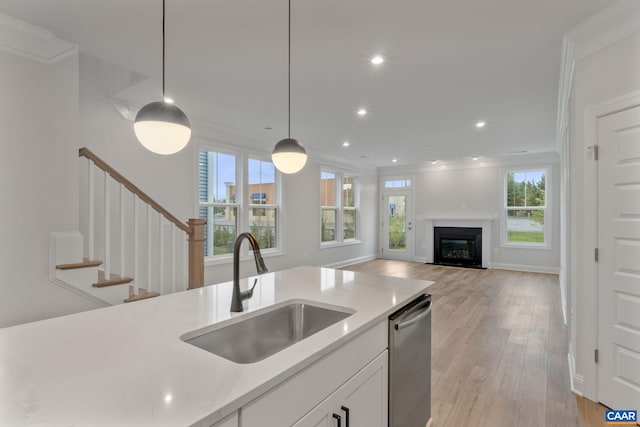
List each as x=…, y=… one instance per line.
x=29, y=41
x=609, y=26
x=209, y=131
x=485, y=162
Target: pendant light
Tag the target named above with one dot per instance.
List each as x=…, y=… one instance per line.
x=289, y=156
x=162, y=127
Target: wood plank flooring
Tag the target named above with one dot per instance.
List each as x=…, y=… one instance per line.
x=499, y=348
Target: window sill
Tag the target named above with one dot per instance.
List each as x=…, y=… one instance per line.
x=228, y=258
x=331, y=245
x=506, y=245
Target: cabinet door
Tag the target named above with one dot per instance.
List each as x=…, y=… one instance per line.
x=360, y=402
x=366, y=399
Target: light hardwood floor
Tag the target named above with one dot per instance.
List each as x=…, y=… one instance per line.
x=499, y=348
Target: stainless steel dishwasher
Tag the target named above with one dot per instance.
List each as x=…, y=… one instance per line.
x=410, y=364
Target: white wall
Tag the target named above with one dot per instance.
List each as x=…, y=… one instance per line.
x=476, y=192
x=609, y=73
x=170, y=180
x=38, y=184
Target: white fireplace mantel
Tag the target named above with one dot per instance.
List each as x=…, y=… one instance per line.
x=479, y=222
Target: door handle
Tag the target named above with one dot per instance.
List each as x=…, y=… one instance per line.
x=346, y=413
x=425, y=305
x=339, y=418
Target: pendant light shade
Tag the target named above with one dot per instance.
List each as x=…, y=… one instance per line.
x=289, y=156
x=160, y=126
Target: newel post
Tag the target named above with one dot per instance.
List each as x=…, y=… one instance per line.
x=196, y=252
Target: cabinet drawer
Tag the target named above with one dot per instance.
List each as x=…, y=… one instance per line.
x=291, y=400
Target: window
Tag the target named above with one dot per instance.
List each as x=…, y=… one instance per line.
x=526, y=207
x=328, y=206
x=262, y=192
x=397, y=183
x=348, y=208
x=232, y=202
x=217, y=201
x=338, y=206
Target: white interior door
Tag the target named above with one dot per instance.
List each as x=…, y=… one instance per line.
x=397, y=225
x=619, y=260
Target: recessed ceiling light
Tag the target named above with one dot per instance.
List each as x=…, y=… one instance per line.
x=168, y=100
x=345, y=144
x=433, y=162
x=362, y=112
x=475, y=157
x=377, y=60
x=394, y=160
x=481, y=124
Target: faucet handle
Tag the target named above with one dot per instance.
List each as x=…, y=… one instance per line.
x=248, y=294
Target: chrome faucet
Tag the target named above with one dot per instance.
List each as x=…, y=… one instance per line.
x=238, y=297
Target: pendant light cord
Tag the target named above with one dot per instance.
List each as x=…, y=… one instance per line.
x=289, y=75
x=163, y=15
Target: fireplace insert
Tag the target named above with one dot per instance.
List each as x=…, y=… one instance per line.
x=457, y=246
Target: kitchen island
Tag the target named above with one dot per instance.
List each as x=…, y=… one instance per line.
x=126, y=365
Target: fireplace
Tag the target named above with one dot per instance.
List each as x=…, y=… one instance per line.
x=457, y=246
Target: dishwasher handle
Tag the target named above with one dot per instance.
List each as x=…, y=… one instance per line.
x=424, y=306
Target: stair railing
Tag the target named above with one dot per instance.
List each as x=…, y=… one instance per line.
x=157, y=250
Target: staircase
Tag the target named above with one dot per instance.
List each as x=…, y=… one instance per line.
x=129, y=247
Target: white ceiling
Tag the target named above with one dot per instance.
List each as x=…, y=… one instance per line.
x=448, y=64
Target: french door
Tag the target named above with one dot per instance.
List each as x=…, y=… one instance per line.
x=397, y=225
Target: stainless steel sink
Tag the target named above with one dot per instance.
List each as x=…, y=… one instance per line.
x=256, y=338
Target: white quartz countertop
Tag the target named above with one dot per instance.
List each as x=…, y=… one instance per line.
x=126, y=365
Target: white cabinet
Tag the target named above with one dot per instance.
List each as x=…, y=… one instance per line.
x=356, y=372
x=360, y=402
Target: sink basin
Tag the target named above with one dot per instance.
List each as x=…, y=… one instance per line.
x=256, y=338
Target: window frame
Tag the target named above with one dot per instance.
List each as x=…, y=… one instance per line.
x=339, y=207
x=243, y=207
x=251, y=155
x=546, y=244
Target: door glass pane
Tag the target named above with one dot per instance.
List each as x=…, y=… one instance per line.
x=396, y=210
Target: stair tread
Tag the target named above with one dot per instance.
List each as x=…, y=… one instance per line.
x=142, y=295
x=86, y=263
x=113, y=280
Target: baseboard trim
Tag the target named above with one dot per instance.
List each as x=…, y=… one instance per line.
x=80, y=292
x=576, y=380
x=351, y=261
x=420, y=259
x=527, y=268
